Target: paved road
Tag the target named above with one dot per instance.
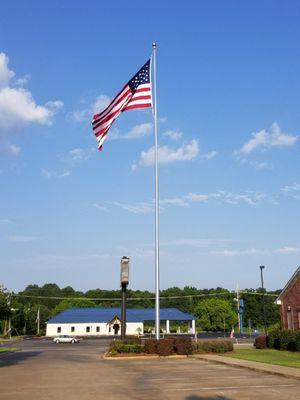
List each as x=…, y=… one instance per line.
x=44, y=371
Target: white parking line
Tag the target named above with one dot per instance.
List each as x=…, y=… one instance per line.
x=223, y=388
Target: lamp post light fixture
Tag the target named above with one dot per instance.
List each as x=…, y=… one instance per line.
x=263, y=296
x=124, y=283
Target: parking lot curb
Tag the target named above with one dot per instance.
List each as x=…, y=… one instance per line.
x=287, y=372
x=148, y=357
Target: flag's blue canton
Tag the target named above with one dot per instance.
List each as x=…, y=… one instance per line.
x=141, y=77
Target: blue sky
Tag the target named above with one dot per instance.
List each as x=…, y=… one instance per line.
x=228, y=107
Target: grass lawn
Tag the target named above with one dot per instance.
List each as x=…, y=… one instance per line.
x=6, y=349
x=269, y=356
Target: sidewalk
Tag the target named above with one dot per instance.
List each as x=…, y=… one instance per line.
x=253, y=365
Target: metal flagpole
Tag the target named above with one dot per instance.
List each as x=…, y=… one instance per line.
x=157, y=313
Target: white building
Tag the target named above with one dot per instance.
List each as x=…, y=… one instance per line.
x=107, y=321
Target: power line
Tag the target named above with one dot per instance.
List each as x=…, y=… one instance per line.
x=141, y=298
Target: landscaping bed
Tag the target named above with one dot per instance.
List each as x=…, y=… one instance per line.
x=171, y=346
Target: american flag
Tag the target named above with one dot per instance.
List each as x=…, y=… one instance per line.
x=135, y=94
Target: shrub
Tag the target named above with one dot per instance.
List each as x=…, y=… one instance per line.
x=168, y=346
x=261, y=342
x=132, y=340
x=165, y=347
x=183, y=346
x=213, y=346
x=151, y=346
x=117, y=346
x=287, y=340
x=297, y=341
x=284, y=339
x=274, y=339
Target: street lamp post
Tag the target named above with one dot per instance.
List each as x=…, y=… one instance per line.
x=263, y=296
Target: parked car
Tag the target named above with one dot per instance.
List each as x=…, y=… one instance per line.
x=65, y=339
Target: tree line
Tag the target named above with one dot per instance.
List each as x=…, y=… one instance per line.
x=214, y=308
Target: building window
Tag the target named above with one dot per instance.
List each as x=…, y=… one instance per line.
x=290, y=319
x=98, y=328
x=72, y=328
x=59, y=329
x=87, y=329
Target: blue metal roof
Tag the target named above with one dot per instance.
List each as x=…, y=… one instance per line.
x=78, y=315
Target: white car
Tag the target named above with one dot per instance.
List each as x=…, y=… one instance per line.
x=65, y=339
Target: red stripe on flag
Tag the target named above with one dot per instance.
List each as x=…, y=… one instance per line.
x=131, y=107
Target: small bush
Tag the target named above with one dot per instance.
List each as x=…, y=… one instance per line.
x=261, y=342
x=287, y=340
x=183, y=346
x=213, y=346
x=151, y=346
x=274, y=339
x=165, y=347
x=297, y=341
x=132, y=340
x=284, y=339
x=117, y=346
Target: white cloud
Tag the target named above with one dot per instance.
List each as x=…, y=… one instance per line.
x=100, y=103
x=10, y=149
x=176, y=201
x=55, y=105
x=291, y=188
x=6, y=221
x=135, y=208
x=210, y=155
x=167, y=155
x=100, y=207
x=79, y=154
x=85, y=114
x=265, y=139
x=137, y=132
x=262, y=165
x=173, y=135
x=55, y=174
x=249, y=198
x=18, y=108
x=22, y=238
x=255, y=251
x=5, y=73
x=197, y=242
x=23, y=81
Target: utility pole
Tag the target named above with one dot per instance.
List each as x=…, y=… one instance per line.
x=263, y=296
x=238, y=306
x=9, y=318
x=124, y=283
x=38, y=321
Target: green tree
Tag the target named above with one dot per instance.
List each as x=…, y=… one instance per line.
x=213, y=312
x=4, y=307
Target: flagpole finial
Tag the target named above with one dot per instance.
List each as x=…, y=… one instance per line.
x=154, y=45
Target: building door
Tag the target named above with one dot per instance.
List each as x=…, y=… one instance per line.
x=116, y=328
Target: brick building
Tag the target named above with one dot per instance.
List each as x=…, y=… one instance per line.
x=289, y=301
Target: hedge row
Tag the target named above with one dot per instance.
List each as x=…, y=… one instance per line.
x=279, y=339
x=169, y=346
x=213, y=346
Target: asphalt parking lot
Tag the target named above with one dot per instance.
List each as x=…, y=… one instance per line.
x=44, y=370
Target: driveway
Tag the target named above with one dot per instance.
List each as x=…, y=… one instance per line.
x=44, y=371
